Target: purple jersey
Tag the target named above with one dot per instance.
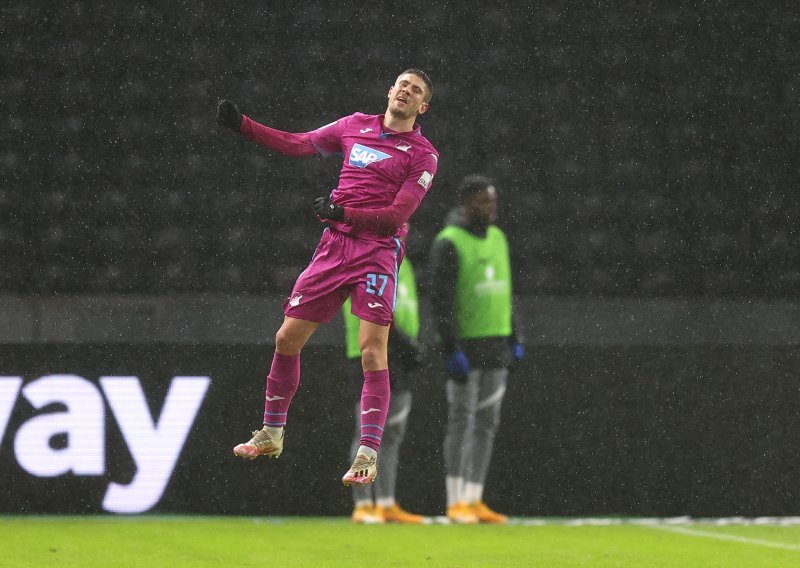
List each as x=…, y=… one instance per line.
x=378, y=163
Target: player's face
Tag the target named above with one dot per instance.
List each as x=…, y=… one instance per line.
x=406, y=97
x=482, y=205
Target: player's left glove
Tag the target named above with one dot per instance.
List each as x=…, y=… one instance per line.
x=327, y=209
x=516, y=351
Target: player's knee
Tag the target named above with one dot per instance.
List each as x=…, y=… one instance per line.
x=373, y=357
x=487, y=420
x=286, y=343
x=457, y=418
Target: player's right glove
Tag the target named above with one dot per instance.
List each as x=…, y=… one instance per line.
x=228, y=115
x=457, y=365
x=406, y=350
x=413, y=355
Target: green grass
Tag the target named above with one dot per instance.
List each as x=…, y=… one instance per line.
x=154, y=542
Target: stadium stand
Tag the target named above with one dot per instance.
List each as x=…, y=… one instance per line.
x=645, y=152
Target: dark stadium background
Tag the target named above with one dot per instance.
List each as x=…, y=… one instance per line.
x=646, y=158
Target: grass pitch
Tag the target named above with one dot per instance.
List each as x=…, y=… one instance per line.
x=172, y=542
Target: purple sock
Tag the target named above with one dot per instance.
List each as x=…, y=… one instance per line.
x=282, y=382
x=374, y=407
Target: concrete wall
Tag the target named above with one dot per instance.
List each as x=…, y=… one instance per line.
x=254, y=320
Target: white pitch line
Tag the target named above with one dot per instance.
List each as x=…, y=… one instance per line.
x=722, y=536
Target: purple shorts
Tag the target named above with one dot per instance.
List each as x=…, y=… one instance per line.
x=346, y=265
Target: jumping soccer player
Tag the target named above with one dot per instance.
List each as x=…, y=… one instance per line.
x=471, y=273
x=387, y=171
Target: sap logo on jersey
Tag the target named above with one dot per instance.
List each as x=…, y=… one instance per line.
x=362, y=156
x=154, y=445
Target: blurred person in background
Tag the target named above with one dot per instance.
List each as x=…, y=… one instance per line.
x=387, y=170
x=378, y=504
x=471, y=295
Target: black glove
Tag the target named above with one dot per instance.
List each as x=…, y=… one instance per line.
x=412, y=355
x=228, y=114
x=327, y=209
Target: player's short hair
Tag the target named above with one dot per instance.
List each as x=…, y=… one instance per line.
x=425, y=79
x=471, y=185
